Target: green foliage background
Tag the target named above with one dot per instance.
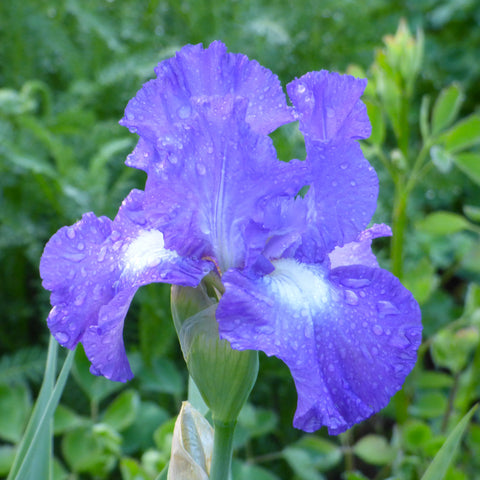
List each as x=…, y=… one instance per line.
x=67, y=70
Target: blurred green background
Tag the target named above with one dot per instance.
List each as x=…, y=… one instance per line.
x=68, y=69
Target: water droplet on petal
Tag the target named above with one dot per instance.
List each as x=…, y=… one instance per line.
x=81, y=246
x=308, y=332
x=330, y=112
x=300, y=88
x=62, y=337
x=115, y=235
x=343, y=166
x=384, y=307
x=355, y=282
x=351, y=297
x=70, y=233
x=331, y=367
x=201, y=170
x=79, y=300
x=102, y=253
x=377, y=330
x=184, y=112
x=73, y=257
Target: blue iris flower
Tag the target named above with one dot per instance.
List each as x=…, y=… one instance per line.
x=299, y=280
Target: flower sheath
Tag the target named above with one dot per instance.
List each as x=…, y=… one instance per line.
x=300, y=280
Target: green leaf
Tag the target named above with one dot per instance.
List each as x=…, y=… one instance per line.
x=96, y=388
x=446, y=107
x=437, y=469
x=311, y=455
x=132, y=470
x=441, y=158
x=66, y=419
x=452, y=350
x=246, y=471
x=431, y=404
x=91, y=449
x=463, y=134
x=15, y=406
x=443, y=223
x=378, y=124
x=138, y=436
x=374, y=449
x=7, y=455
x=121, y=413
x=421, y=279
x=469, y=164
x=415, y=435
x=162, y=376
x=33, y=456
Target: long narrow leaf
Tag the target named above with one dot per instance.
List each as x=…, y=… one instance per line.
x=44, y=395
x=438, y=468
x=39, y=425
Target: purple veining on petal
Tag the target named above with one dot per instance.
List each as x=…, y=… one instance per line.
x=196, y=73
x=349, y=337
x=328, y=106
x=210, y=195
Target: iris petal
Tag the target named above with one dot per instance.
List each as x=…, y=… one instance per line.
x=94, y=268
x=328, y=106
x=210, y=194
x=349, y=336
x=196, y=73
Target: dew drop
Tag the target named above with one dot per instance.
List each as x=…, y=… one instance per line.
x=62, y=337
x=377, y=330
x=70, y=233
x=184, y=112
x=201, y=170
x=351, y=297
x=300, y=88
x=343, y=166
x=73, y=257
x=308, y=330
x=384, y=307
x=330, y=112
x=353, y=183
x=102, y=253
x=331, y=367
x=115, y=235
x=79, y=300
x=355, y=282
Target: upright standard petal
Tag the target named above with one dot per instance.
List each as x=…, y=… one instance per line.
x=211, y=184
x=196, y=73
x=93, y=270
x=349, y=336
x=328, y=106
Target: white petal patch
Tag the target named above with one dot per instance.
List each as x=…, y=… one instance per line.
x=301, y=287
x=146, y=251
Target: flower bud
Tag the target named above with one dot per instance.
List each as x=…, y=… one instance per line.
x=224, y=376
x=192, y=446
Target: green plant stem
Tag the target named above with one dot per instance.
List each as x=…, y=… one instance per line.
x=399, y=224
x=222, y=450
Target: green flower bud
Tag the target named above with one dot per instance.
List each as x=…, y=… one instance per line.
x=224, y=376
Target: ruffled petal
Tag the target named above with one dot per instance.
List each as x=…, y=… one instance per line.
x=328, y=106
x=359, y=252
x=341, y=200
x=196, y=73
x=210, y=194
x=349, y=336
x=94, y=268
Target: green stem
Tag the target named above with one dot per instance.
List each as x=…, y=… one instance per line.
x=399, y=224
x=222, y=450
